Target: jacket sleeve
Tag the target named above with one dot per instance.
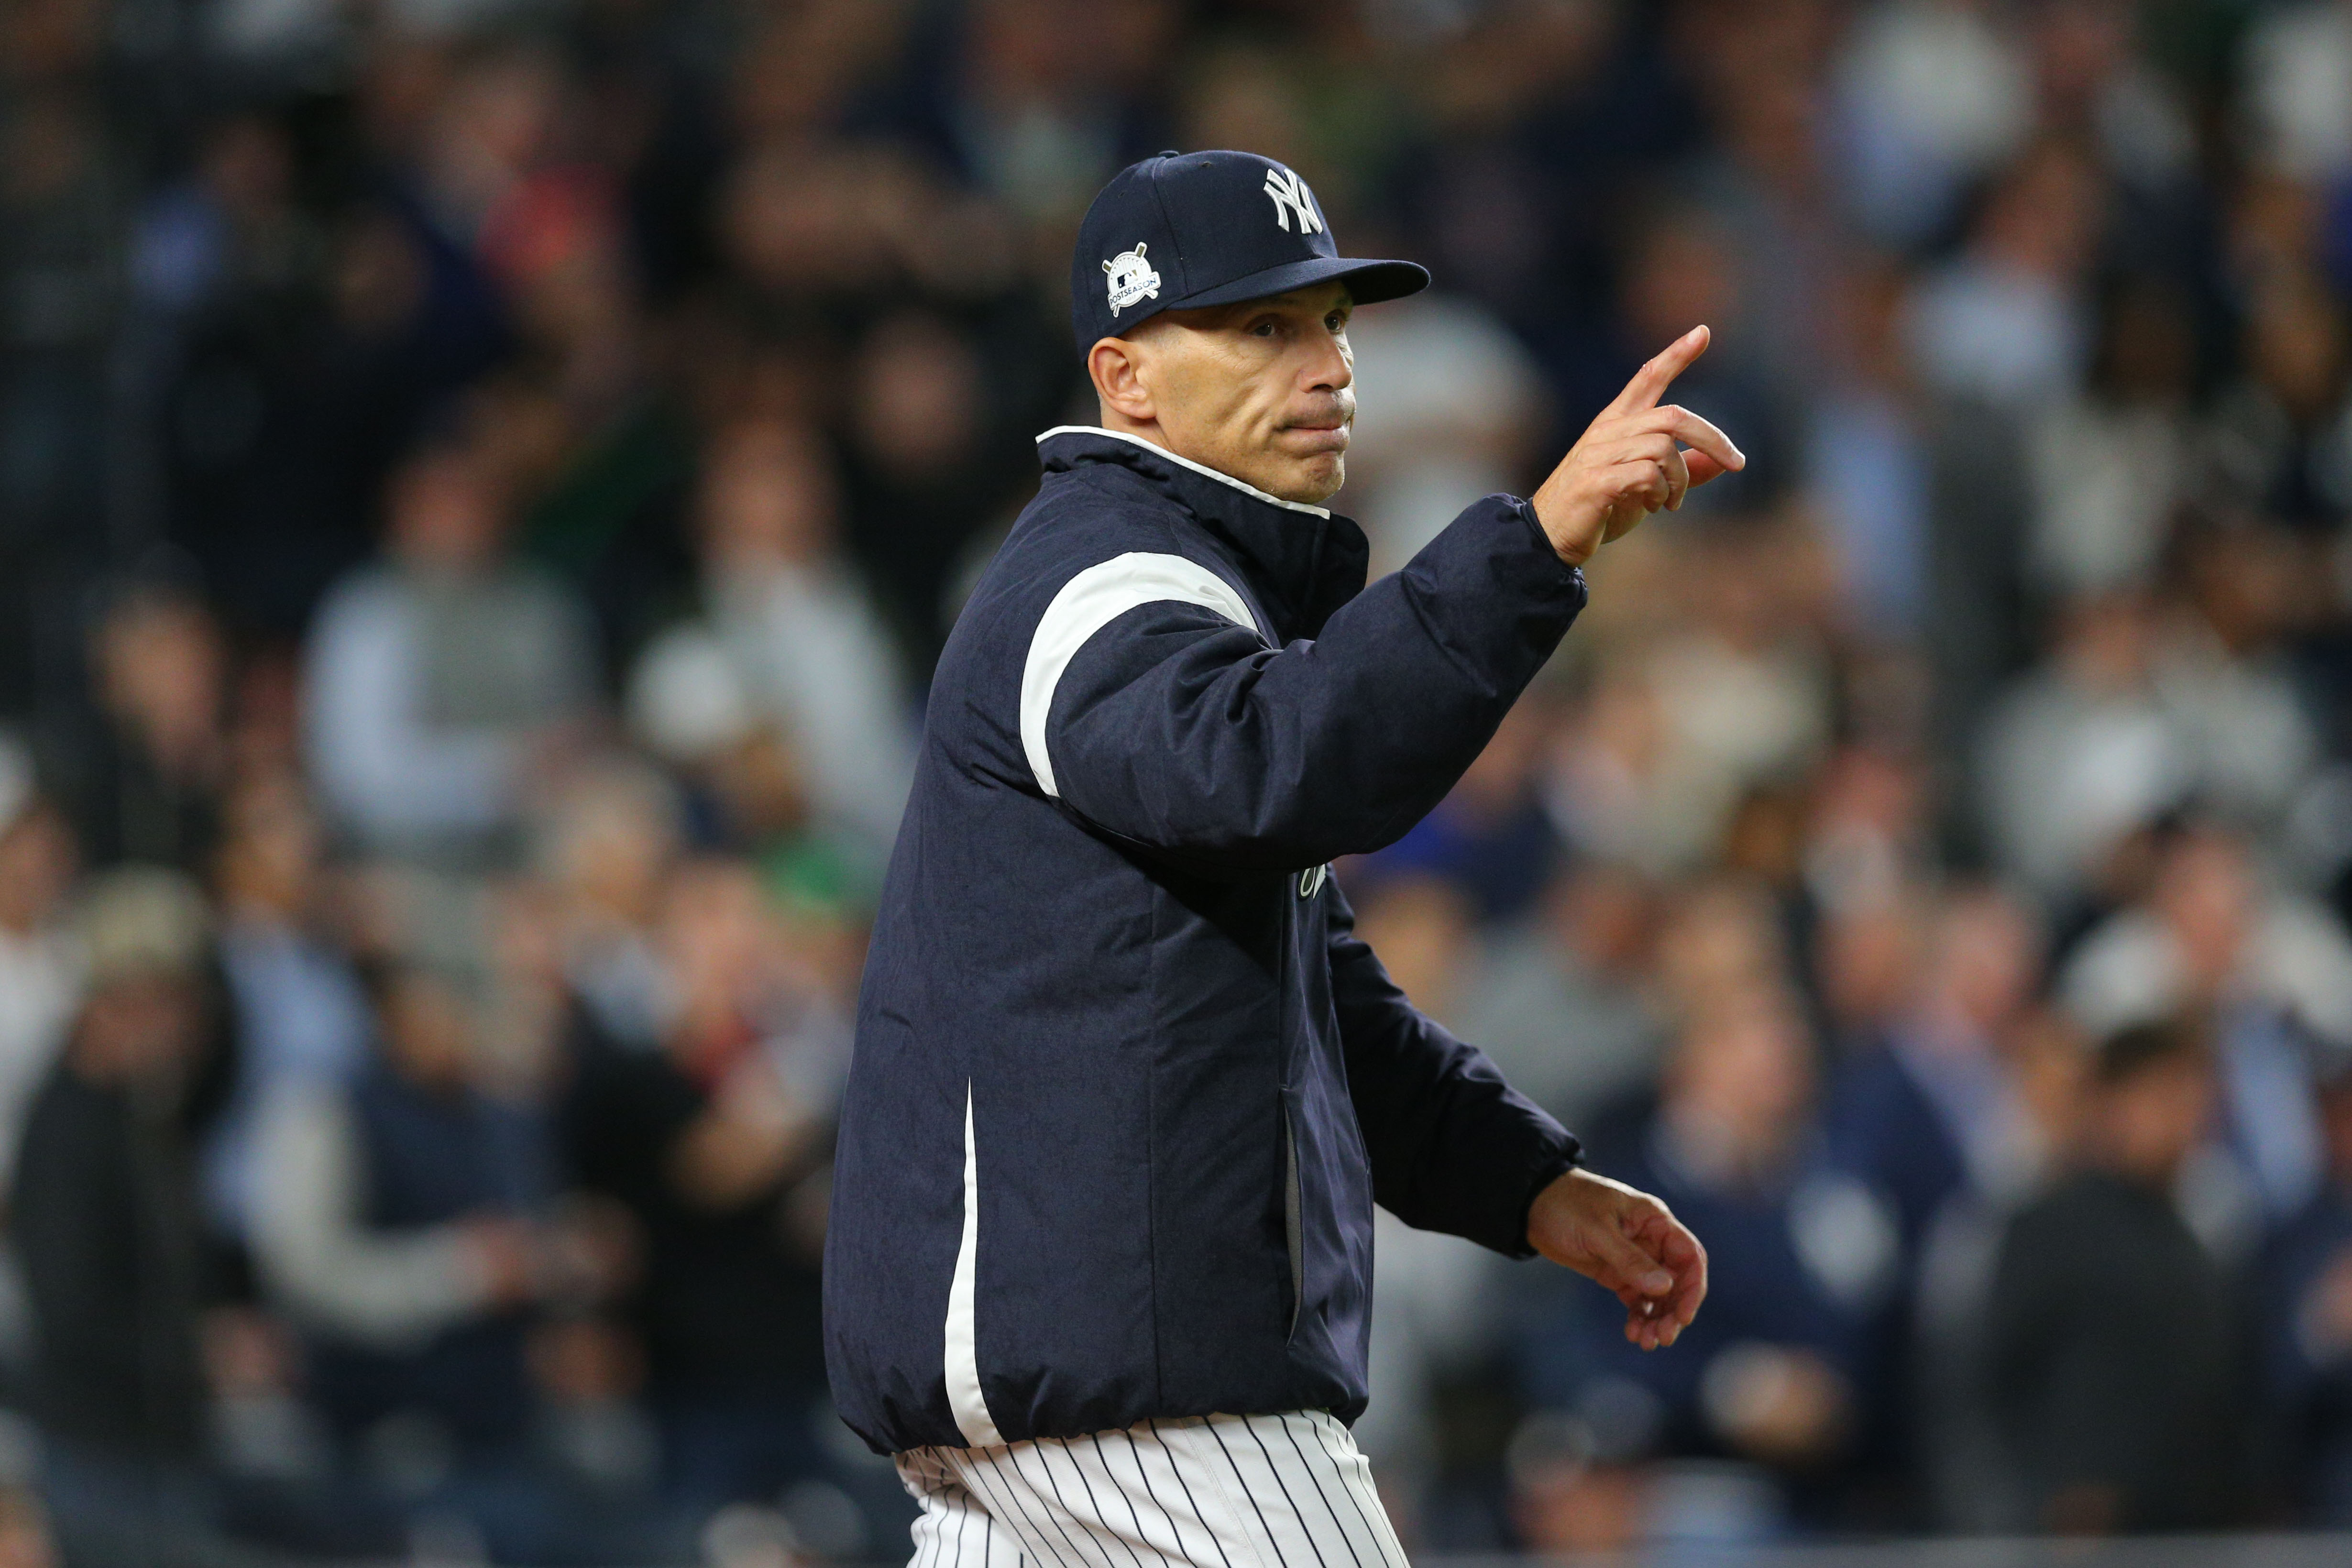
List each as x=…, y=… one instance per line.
x=1174, y=727
x=1453, y=1148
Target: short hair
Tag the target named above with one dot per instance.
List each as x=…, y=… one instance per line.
x=2137, y=1047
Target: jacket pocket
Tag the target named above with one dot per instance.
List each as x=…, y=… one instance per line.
x=1291, y=1234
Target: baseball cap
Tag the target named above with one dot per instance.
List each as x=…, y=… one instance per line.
x=1182, y=230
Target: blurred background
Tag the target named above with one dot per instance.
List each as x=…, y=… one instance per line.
x=482, y=484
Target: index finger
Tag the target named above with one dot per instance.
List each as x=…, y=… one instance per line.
x=1651, y=381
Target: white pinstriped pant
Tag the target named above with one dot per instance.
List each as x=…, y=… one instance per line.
x=1208, y=1492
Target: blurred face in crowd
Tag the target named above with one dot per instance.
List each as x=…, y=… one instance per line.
x=615, y=840
x=768, y=497
x=1869, y=960
x=37, y=867
x=1262, y=390
x=715, y=935
x=1681, y=271
x=2204, y=894
x=2145, y=1125
x=915, y=401
x=161, y=660
x=1420, y=926
x=269, y=865
x=1603, y=917
x=446, y=516
x=1741, y=1080
x=139, y=1028
x=2294, y=346
x=427, y=1031
x=1984, y=964
x=1721, y=941
x=2044, y=214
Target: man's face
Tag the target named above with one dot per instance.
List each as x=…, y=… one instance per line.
x=1262, y=390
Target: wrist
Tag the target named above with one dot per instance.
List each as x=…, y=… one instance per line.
x=1568, y=551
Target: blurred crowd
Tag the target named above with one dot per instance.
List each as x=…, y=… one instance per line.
x=482, y=483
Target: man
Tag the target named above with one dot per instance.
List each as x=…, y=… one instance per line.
x=1126, y=1085
x=2114, y=1360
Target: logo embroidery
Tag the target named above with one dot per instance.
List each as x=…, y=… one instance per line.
x=1312, y=880
x=1290, y=195
x=1130, y=278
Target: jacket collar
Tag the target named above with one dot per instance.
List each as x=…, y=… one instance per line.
x=1305, y=561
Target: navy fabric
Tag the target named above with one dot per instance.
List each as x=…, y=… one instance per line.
x=1150, y=998
x=1209, y=228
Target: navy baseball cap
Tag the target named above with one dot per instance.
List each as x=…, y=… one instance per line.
x=1182, y=230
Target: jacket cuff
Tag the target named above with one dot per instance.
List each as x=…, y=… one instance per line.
x=1571, y=575
x=1567, y=1156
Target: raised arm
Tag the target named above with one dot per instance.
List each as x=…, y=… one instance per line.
x=1172, y=723
x=1175, y=726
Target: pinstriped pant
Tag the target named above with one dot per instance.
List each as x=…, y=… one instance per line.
x=1215, y=1491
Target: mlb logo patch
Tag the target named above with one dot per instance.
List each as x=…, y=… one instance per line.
x=1130, y=278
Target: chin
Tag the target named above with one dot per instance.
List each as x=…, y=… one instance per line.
x=1317, y=480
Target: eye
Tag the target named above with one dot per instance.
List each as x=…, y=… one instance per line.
x=1262, y=329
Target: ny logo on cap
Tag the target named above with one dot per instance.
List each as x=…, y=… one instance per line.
x=1291, y=195
x=1130, y=278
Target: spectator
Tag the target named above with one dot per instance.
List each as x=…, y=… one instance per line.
x=1932, y=1120
x=107, y=1227
x=148, y=787
x=2130, y=720
x=2006, y=322
x=606, y=851
x=1450, y=402
x=2305, y=1286
x=2261, y=975
x=300, y=1018
x=1768, y=1378
x=396, y=1225
x=1492, y=838
x=2109, y=466
x=1562, y=1001
x=40, y=963
x=2278, y=434
x=717, y=1146
x=403, y=1223
x=1934, y=1112
x=799, y=633
x=2113, y=1356
x=440, y=680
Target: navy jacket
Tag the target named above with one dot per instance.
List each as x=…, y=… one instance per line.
x=1126, y=1085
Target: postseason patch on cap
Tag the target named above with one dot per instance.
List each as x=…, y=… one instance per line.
x=1185, y=230
x=1130, y=278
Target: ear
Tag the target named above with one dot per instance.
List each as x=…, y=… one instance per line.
x=1116, y=367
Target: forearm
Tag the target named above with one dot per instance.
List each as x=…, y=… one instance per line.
x=1197, y=739
x=384, y=1288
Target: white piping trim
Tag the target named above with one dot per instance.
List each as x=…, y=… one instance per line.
x=1088, y=602
x=1157, y=450
x=965, y=1397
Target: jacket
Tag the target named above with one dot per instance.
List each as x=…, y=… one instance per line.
x=1126, y=1084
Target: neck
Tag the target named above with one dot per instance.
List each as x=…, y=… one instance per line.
x=1149, y=434
x=1110, y=419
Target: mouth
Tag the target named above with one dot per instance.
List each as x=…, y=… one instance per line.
x=1313, y=438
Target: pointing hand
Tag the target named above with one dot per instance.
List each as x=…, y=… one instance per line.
x=1634, y=459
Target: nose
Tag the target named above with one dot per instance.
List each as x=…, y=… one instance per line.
x=1327, y=367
